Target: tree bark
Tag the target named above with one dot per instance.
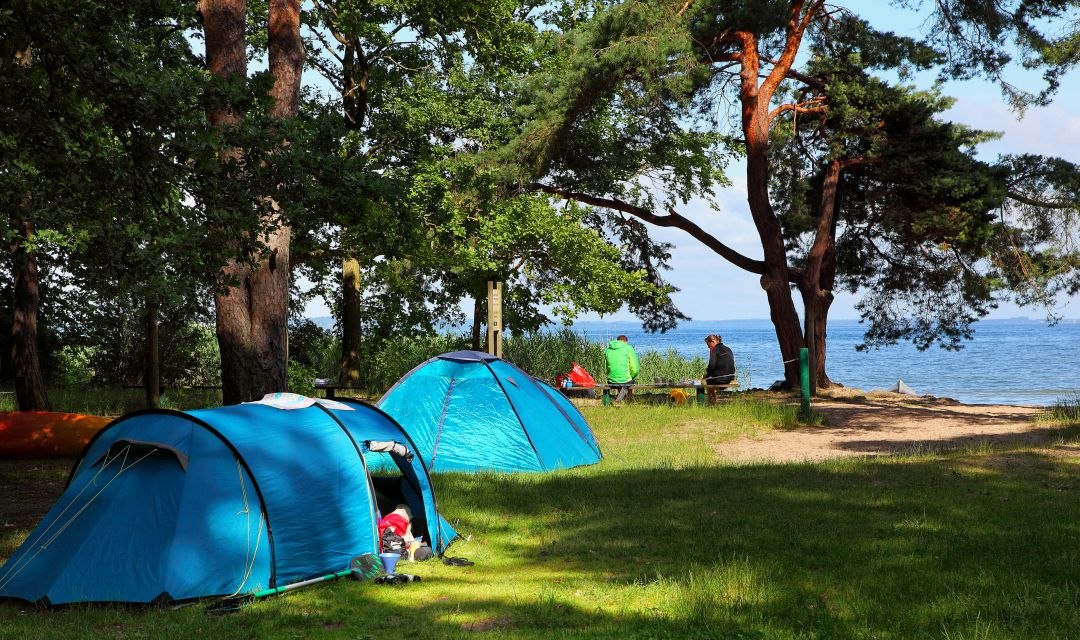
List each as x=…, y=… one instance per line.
x=29, y=383
x=252, y=318
x=223, y=29
x=819, y=277
x=775, y=281
x=351, y=288
x=252, y=326
x=286, y=53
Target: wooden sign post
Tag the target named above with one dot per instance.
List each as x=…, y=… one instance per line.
x=494, y=323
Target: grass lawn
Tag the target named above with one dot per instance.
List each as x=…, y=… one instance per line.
x=663, y=540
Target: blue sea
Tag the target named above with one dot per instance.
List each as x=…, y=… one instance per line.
x=1016, y=361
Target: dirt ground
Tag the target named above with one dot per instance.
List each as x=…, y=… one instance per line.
x=857, y=423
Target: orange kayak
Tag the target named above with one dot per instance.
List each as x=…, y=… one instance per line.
x=46, y=434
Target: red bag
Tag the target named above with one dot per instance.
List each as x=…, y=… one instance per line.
x=580, y=377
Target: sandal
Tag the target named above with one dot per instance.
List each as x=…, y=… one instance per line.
x=457, y=562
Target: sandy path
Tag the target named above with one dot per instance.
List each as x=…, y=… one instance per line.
x=884, y=423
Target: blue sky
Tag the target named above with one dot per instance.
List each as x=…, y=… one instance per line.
x=713, y=289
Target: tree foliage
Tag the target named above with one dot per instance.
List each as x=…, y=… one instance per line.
x=988, y=38
x=853, y=182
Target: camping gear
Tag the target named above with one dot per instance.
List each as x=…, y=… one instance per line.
x=359, y=569
x=46, y=434
x=389, y=561
x=576, y=377
x=167, y=506
x=397, y=579
x=470, y=411
x=580, y=377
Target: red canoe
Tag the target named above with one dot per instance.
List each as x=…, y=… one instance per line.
x=45, y=434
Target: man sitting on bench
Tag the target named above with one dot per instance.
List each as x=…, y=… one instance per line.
x=622, y=366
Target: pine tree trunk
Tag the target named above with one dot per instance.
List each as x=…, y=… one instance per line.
x=775, y=281
x=252, y=326
x=821, y=324
x=29, y=382
x=252, y=318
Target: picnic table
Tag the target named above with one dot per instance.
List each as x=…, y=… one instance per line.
x=699, y=389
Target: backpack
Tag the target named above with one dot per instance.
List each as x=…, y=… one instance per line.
x=391, y=542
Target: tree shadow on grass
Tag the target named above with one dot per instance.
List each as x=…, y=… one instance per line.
x=894, y=547
x=965, y=546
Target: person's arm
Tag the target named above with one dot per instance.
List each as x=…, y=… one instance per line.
x=634, y=368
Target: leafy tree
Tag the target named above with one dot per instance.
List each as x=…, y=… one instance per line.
x=866, y=160
x=391, y=65
x=93, y=118
x=420, y=85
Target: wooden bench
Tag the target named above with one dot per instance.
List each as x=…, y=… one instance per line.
x=699, y=389
x=330, y=389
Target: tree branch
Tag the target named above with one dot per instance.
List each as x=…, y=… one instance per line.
x=1022, y=199
x=672, y=219
x=799, y=108
x=810, y=81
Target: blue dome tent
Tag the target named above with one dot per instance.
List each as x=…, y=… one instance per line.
x=471, y=411
x=168, y=506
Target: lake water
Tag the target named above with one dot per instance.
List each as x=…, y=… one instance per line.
x=1009, y=361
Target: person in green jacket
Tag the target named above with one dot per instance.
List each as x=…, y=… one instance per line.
x=622, y=365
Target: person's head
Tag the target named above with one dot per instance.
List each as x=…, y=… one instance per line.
x=623, y=338
x=712, y=340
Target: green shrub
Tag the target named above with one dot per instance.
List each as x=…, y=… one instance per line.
x=73, y=368
x=314, y=348
x=398, y=356
x=545, y=355
x=669, y=366
x=1065, y=409
x=302, y=378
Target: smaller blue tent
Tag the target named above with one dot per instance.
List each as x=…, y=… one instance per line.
x=168, y=506
x=471, y=411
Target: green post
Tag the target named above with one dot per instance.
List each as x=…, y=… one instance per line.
x=804, y=380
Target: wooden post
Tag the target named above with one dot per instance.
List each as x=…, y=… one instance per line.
x=494, y=325
x=153, y=357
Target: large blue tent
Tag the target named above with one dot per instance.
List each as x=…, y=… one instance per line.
x=471, y=411
x=168, y=506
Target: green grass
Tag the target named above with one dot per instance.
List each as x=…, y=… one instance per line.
x=1065, y=410
x=663, y=539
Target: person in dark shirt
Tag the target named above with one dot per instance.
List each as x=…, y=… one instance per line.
x=721, y=367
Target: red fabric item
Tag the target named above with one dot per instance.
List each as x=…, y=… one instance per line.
x=580, y=377
x=394, y=521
